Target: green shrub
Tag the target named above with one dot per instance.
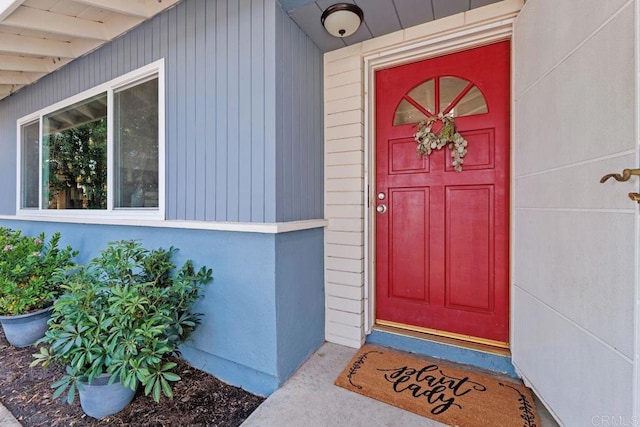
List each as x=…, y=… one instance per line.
x=27, y=271
x=122, y=314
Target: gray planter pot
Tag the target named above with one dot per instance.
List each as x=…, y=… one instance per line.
x=100, y=399
x=25, y=329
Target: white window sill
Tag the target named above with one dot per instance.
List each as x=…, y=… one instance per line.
x=247, y=227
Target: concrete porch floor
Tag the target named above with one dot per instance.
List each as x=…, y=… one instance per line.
x=310, y=399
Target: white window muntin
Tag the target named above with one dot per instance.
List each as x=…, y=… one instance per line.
x=153, y=70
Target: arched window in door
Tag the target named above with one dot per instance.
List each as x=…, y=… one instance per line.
x=451, y=95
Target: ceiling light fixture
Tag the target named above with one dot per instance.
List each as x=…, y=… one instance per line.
x=342, y=19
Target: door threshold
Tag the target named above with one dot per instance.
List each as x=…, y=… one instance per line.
x=404, y=330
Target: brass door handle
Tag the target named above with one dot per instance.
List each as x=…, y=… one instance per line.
x=626, y=174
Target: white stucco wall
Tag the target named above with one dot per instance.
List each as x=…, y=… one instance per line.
x=347, y=108
x=575, y=240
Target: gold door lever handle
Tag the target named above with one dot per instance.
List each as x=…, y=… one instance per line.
x=626, y=174
x=635, y=197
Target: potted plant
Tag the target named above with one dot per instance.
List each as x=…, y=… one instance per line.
x=117, y=321
x=28, y=285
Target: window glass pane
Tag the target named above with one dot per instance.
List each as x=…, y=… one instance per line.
x=472, y=103
x=136, y=146
x=30, y=148
x=450, y=87
x=407, y=113
x=74, y=155
x=424, y=94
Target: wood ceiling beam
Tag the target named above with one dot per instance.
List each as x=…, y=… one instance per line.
x=126, y=7
x=33, y=65
x=156, y=6
x=121, y=24
x=41, y=20
x=24, y=45
x=18, y=78
x=80, y=47
x=140, y=8
x=5, y=90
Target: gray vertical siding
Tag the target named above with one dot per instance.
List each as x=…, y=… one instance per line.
x=299, y=176
x=243, y=110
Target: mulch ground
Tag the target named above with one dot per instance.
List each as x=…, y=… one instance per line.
x=200, y=399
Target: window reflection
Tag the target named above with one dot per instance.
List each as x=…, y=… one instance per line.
x=30, y=149
x=75, y=156
x=136, y=146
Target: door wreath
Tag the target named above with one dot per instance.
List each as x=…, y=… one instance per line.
x=428, y=140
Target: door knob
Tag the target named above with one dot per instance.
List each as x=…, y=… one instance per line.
x=381, y=208
x=626, y=174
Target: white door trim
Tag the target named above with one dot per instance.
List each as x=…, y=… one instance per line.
x=636, y=364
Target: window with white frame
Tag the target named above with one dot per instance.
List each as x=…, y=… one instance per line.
x=97, y=152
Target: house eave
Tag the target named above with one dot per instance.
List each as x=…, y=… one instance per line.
x=36, y=40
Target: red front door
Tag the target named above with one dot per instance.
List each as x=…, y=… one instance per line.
x=442, y=244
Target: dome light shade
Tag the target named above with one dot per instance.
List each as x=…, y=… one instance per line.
x=342, y=19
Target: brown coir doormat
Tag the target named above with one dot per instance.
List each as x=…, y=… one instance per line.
x=442, y=391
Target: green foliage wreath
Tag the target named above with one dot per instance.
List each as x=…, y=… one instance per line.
x=428, y=140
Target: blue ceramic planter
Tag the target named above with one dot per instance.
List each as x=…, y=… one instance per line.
x=25, y=329
x=100, y=399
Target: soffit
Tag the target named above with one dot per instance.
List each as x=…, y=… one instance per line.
x=380, y=17
x=40, y=36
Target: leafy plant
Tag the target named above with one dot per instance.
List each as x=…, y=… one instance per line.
x=27, y=267
x=122, y=314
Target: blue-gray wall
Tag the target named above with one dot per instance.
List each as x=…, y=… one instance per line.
x=299, y=139
x=243, y=109
x=264, y=310
x=244, y=143
x=299, y=297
